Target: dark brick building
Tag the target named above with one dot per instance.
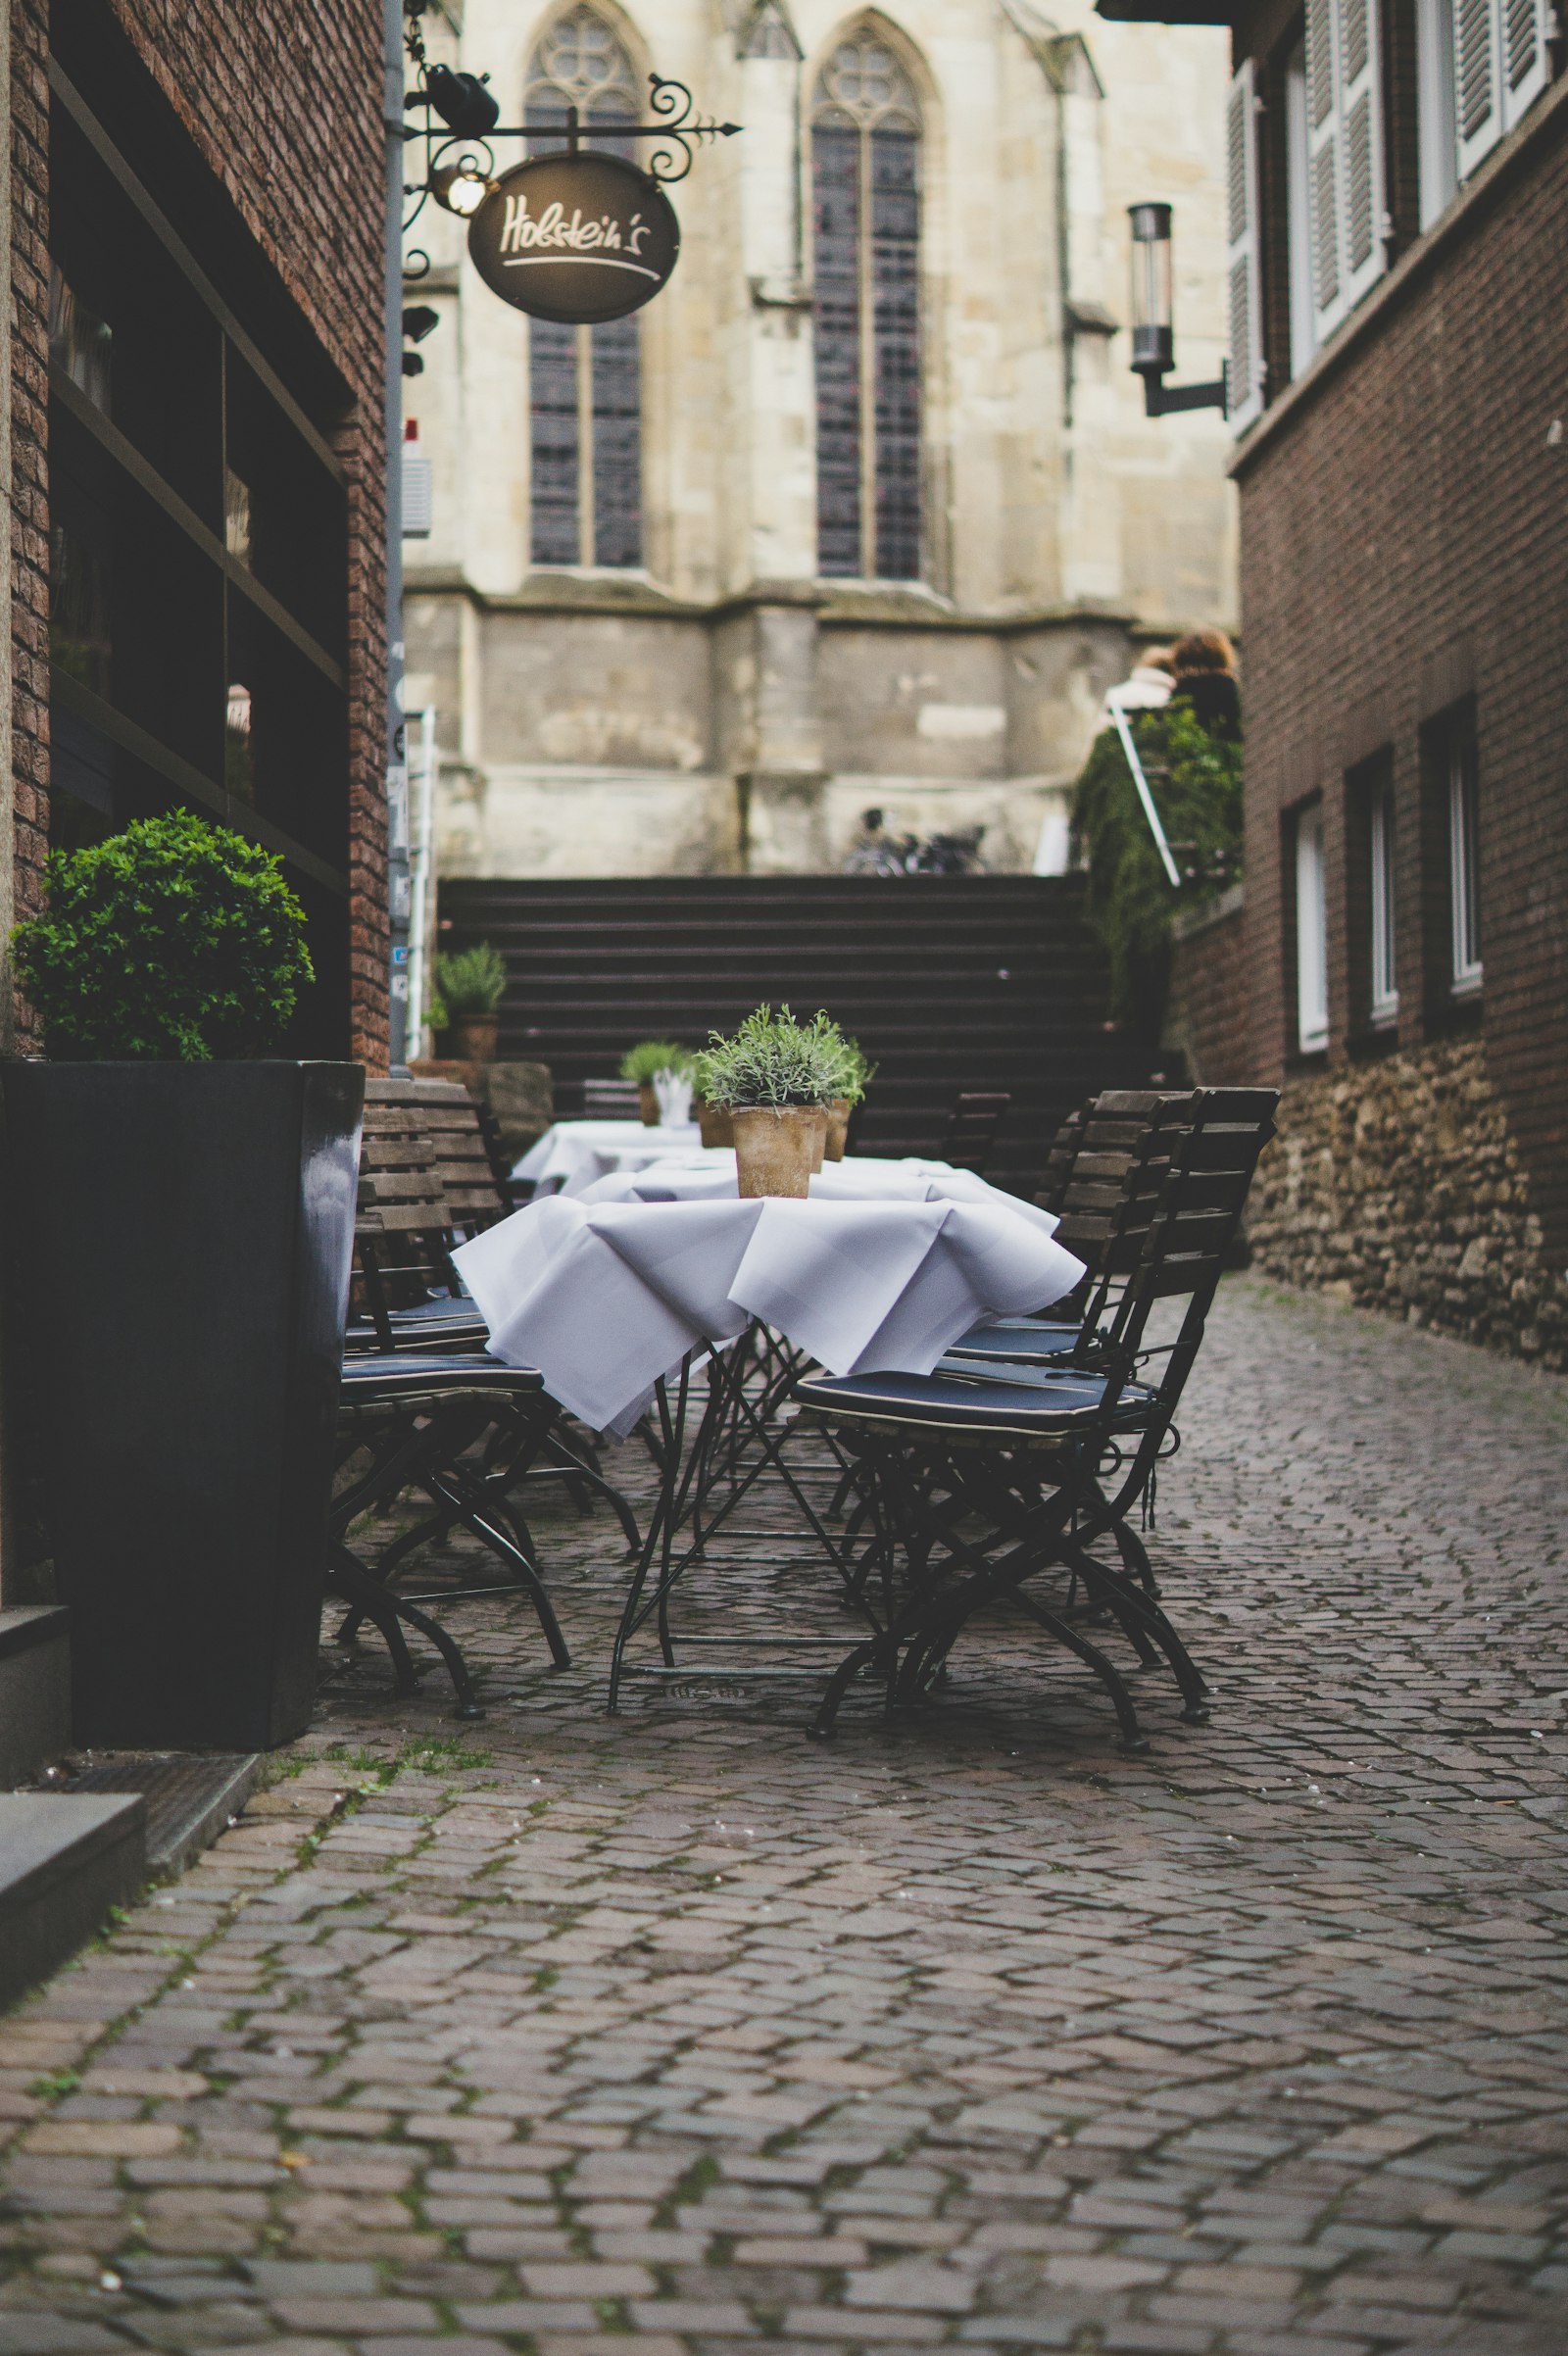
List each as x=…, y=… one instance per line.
x=1399, y=959
x=196, y=447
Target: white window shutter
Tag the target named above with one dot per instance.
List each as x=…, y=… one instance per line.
x=1323, y=173
x=1245, y=369
x=1344, y=155
x=1477, y=79
x=1361, y=82
x=1525, y=59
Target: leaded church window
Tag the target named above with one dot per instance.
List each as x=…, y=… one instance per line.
x=585, y=383
x=866, y=180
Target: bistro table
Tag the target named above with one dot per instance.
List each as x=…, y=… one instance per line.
x=623, y=1294
x=571, y=1154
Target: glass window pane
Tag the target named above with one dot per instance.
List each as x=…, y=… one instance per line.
x=617, y=443
x=1464, y=864
x=1385, y=983
x=836, y=190
x=866, y=180
x=896, y=296
x=1311, y=934
x=552, y=401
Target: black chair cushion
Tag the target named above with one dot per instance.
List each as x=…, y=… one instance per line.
x=1019, y=1341
x=426, y=1325
x=412, y=1374
x=1033, y=1404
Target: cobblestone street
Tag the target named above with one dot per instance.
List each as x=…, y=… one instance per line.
x=556, y=2031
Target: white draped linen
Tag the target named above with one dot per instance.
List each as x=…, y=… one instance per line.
x=571, y=1154
x=881, y=1269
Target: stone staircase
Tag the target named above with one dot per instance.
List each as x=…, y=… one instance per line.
x=949, y=982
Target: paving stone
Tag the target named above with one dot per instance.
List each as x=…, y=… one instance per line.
x=680, y=2029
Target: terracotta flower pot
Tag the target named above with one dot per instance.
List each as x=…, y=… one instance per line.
x=473, y=1037
x=715, y=1122
x=818, y=1138
x=777, y=1146
x=838, y=1128
x=648, y=1104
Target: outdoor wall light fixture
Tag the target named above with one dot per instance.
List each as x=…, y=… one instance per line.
x=1152, y=319
x=462, y=187
x=461, y=100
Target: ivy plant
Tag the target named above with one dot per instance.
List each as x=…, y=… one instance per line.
x=1196, y=779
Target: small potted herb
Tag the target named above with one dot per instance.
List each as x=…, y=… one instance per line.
x=775, y=1077
x=853, y=1073
x=650, y=1061
x=712, y=1120
x=469, y=985
x=186, y=1195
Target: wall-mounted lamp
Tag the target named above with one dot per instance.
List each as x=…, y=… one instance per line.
x=461, y=100
x=1154, y=327
x=462, y=187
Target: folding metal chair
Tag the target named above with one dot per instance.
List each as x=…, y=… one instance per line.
x=980, y=1480
x=1091, y=1171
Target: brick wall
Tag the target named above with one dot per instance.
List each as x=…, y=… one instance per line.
x=1404, y=549
x=284, y=108
x=1206, y=1010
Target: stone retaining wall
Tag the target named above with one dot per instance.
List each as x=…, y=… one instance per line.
x=1397, y=1185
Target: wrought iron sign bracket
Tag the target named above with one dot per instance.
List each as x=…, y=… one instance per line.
x=458, y=154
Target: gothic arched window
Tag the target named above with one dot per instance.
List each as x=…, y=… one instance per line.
x=865, y=184
x=585, y=383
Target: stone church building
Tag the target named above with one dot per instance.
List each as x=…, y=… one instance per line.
x=864, y=509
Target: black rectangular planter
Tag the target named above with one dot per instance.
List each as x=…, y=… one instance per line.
x=184, y=1234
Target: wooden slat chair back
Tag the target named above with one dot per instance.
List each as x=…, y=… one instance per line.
x=972, y=1127
x=402, y=1231
x=1057, y=1175
x=452, y=1124
x=1123, y=1150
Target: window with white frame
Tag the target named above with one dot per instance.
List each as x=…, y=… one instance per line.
x=1245, y=369
x=1481, y=64
x=1344, y=155
x=1298, y=217
x=1385, y=978
x=1464, y=864
x=1438, y=154
x=1312, y=933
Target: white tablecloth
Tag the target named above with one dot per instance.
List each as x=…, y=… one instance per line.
x=573, y=1154
x=882, y=1268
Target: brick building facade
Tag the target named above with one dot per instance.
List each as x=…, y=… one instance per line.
x=196, y=354
x=1400, y=959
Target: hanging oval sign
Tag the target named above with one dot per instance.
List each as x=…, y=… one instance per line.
x=575, y=238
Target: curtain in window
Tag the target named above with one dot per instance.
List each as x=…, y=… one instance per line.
x=585, y=383
x=865, y=182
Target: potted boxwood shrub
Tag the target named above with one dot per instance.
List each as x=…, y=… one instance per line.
x=775, y=1077
x=646, y=1064
x=469, y=985
x=184, y=1199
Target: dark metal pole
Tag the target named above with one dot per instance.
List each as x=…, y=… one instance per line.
x=397, y=765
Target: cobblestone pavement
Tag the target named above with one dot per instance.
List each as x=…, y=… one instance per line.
x=559, y=2032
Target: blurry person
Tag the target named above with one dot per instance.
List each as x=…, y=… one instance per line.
x=1205, y=663
x=1148, y=687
